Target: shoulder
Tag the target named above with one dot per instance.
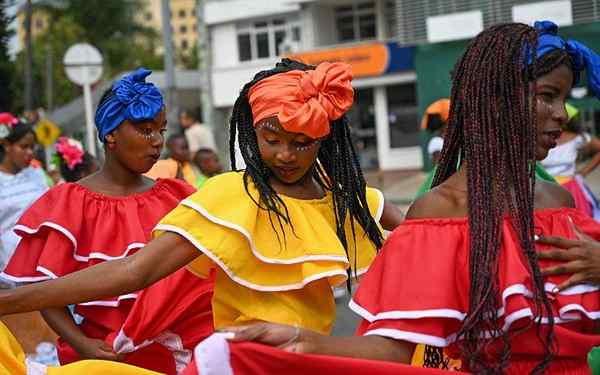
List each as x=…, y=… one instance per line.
x=439, y=202
x=179, y=188
x=223, y=188
x=552, y=195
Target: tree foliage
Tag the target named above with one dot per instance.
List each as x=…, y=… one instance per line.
x=109, y=25
x=6, y=68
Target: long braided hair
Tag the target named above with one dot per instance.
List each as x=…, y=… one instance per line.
x=337, y=168
x=492, y=128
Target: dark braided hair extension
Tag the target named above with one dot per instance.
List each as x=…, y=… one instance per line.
x=492, y=128
x=337, y=168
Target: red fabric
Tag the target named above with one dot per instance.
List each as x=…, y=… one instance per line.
x=581, y=201
x=434, y=254
x=70, y=228
x=251, y=358
x=175, y=312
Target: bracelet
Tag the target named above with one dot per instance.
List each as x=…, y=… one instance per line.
x=293, y=339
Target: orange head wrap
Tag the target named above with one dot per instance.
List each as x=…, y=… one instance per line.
x=304, y=101
x=440, y=107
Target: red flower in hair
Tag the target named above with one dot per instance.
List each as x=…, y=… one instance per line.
x=70, y=150
x=7, y=123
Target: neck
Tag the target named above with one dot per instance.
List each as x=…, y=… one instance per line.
x=114, y=171
x=9, y=167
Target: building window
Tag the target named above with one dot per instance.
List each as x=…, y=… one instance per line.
x=184, y=44
x=403, y=115
x=181, y=13
x=39, y=24
x=148, y=16
x=183, y=29
x=265, y=39
x=356, y=22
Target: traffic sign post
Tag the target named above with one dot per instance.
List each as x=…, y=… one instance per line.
x=83, y=65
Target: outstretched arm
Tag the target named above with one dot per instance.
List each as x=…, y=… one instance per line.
x=158, y=259
x=295, y=339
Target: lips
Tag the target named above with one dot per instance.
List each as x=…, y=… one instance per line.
x=286, y=171
x=550, y=137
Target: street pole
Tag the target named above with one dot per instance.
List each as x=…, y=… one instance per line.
x=205, y=65
x=28, y=58
x=170, y=101
x=89, y=121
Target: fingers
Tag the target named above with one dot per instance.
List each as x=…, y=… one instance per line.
x=244, y=333
x=576, y=279
x=559, y=242
x=565, y=268
x=556, y=254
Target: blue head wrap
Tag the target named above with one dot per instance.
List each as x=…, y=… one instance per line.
x=134, y=99
x=583, y=57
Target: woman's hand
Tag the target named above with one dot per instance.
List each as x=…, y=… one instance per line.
x=581, y=260
x=89, y=348
x=285, y=337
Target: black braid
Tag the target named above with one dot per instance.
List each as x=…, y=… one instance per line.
x=337, y=168
x=492, y=127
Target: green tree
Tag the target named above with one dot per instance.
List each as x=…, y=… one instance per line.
x=6, y=66
x=109, y=25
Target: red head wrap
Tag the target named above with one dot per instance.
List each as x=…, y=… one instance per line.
x=304, y=101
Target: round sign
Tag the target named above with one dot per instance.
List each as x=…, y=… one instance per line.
x=83, y=64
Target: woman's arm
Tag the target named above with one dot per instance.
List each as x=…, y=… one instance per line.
x=391, y=216
x=593, y=146
x=300, y=340
x=158, y=259
x=61, y=321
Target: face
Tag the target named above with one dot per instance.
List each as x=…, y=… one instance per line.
x=289, y=156
x=209, y=164
x=179, y=150
x=185, y=120
x=137, y=145
x=20, y=153
x=551, y=91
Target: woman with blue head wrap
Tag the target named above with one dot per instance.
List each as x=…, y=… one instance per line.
x=104, y=216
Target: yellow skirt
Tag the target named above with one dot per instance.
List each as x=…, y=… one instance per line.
x=12, y=362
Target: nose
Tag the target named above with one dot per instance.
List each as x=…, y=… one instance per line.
x=286, y=154
x=157, y=139
x=560, y=114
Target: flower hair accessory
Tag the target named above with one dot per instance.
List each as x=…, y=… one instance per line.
x=71, y=151
x=7, y=124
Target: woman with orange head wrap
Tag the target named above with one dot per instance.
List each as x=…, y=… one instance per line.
x=279, y=235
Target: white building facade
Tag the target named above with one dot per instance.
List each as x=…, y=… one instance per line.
x=247, y=37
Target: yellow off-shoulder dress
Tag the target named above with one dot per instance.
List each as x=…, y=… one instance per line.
x=265, y=272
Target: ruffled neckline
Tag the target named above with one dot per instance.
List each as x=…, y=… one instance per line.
x=540, y=213
x=159, y=184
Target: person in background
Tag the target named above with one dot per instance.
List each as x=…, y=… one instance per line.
x=562, y=162
x=207, y=162
x=72, y=161
x=198, y=135
x=434, y=121
x=20, y=184
x=177, y=164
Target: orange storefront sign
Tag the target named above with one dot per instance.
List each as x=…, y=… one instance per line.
x=365, y=60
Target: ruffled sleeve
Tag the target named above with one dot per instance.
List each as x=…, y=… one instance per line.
x=418, y=287
x=237, y=236
x=70, y=228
